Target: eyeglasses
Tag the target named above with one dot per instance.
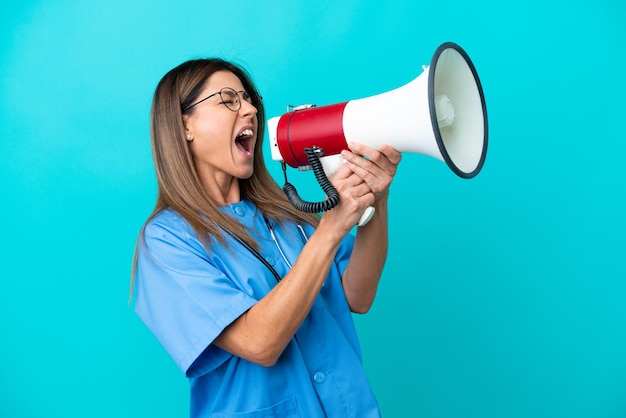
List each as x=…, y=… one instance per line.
x=230, y=98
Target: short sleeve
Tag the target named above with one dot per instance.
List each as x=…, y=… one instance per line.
x=181, y=297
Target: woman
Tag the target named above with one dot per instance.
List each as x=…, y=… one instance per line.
x=251, y=297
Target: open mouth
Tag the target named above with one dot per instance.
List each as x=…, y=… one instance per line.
x=244, y=141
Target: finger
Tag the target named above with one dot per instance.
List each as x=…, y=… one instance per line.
x=393, y=155
x=375, y=179
x=369, y=170
x=342, y=173
x=358, y=198
x=359, y=190
x=387, y=158
x=353, y=184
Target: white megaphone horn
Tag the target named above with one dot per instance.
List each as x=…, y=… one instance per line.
x=441, y=113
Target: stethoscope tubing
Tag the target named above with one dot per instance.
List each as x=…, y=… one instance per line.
x=280, y=250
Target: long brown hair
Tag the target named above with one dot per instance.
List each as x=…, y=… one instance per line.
x=179, y=186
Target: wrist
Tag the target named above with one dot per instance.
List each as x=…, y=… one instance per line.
x=330, y=231
x=382, y=199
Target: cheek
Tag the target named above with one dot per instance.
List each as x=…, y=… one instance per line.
x=209, y=141
x=213, y=133
x=207, y=126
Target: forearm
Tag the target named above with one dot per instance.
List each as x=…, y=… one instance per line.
x=261, y=334
x=362, y=275
x=360, y=280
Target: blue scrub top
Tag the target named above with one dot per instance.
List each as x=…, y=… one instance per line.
x=187, y=296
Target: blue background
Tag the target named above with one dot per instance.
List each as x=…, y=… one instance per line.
x=503, y=296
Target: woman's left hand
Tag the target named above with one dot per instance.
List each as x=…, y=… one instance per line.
x=375, y=167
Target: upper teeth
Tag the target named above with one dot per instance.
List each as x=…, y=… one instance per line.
x=246, y=132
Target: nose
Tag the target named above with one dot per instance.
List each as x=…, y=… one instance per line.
x=247, y=109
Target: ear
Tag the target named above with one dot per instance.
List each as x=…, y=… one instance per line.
x=188, y=135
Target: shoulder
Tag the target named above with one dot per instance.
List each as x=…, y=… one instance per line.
x=167, y=221
x=167, y=230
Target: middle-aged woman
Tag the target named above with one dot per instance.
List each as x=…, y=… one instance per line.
x=251, y=298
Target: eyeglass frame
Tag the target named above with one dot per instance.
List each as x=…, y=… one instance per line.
x=245, y=93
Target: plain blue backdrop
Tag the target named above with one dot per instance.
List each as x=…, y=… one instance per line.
x=504, y=296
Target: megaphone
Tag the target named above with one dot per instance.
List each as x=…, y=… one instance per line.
x=441, y=113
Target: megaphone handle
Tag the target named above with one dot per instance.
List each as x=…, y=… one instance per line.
x=331, y=164
x=367, y=215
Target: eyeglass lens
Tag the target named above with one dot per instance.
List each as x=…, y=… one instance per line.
x=232, y=99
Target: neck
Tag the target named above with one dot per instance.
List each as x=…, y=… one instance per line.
x=224, y=192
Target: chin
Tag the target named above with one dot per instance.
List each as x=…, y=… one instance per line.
x=246, y=176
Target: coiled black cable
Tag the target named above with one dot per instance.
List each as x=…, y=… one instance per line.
x=313, y=154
